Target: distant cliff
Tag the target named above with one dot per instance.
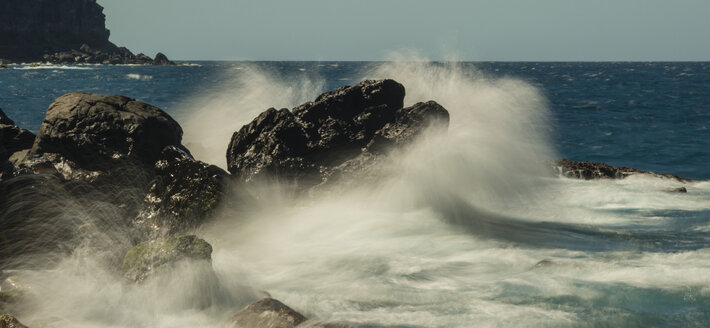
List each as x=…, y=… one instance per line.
x=60, y=31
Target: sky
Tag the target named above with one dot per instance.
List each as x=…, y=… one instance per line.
x=476, y=30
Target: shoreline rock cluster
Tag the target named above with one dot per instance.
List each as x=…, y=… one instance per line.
x=123, y=164
x=61, y=32
x=596, y=170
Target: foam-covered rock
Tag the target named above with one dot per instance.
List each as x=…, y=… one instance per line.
x=596, y=170
x=143, y=260
x=267, y=313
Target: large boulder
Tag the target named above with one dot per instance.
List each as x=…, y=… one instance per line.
x=183, y=193
x=143, y=260
x=349, y=126
x=98, y=131
x=267, y=313
x=596, y=170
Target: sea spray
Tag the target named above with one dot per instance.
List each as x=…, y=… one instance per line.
x=211, y=119
x=497, y=147
x=388, y=254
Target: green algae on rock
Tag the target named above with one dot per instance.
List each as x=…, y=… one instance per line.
x=8, y=321
x=145, y=258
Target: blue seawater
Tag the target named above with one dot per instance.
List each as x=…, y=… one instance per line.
x=648, y=115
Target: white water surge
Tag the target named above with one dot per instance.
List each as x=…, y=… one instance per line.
x=453, y=238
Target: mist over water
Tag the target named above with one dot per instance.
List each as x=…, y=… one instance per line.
x=470, y=228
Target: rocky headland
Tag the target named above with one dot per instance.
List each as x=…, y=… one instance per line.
x=61, y=32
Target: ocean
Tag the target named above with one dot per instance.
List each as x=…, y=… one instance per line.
x=471, y=231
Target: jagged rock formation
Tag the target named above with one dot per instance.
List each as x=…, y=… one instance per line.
x=345, y=130
x=61, y=31
x=13, y=139
x=183, y=193
x=595, y=170
x=92, y=150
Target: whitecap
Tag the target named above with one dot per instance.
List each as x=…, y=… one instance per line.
x=134, y=76
x=54, y=67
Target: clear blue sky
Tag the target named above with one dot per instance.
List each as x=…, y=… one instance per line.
x=594, y=30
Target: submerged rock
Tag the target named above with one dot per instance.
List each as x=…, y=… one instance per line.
x=267, y=313
x=678, y=190
x=99, y=131
x=353, y=123
x=183, y=193
x=146, y=258
x=8, y=321
x=595, y=170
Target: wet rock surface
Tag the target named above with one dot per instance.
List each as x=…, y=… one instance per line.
x=353, y=123
x=93, y=152
x=183, y=193
x=146, y=258
x=269, y=313
x=595, y=170
x=13, y=139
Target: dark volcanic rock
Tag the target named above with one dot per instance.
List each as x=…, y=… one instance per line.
x=90, y=167
x=58, y=31
x=269, y=313
x=33, y=221
x=595, y=170
x=146, y=258
x=96, y=131
x=8, y=321
x=346, y=127
x=4, y=119
x=143, y=59
x=161, y=59
x=183, y=193
x=12, y=140
x=408, y=123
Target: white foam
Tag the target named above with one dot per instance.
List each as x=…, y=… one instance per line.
x=48, y=66
x=134, y=76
